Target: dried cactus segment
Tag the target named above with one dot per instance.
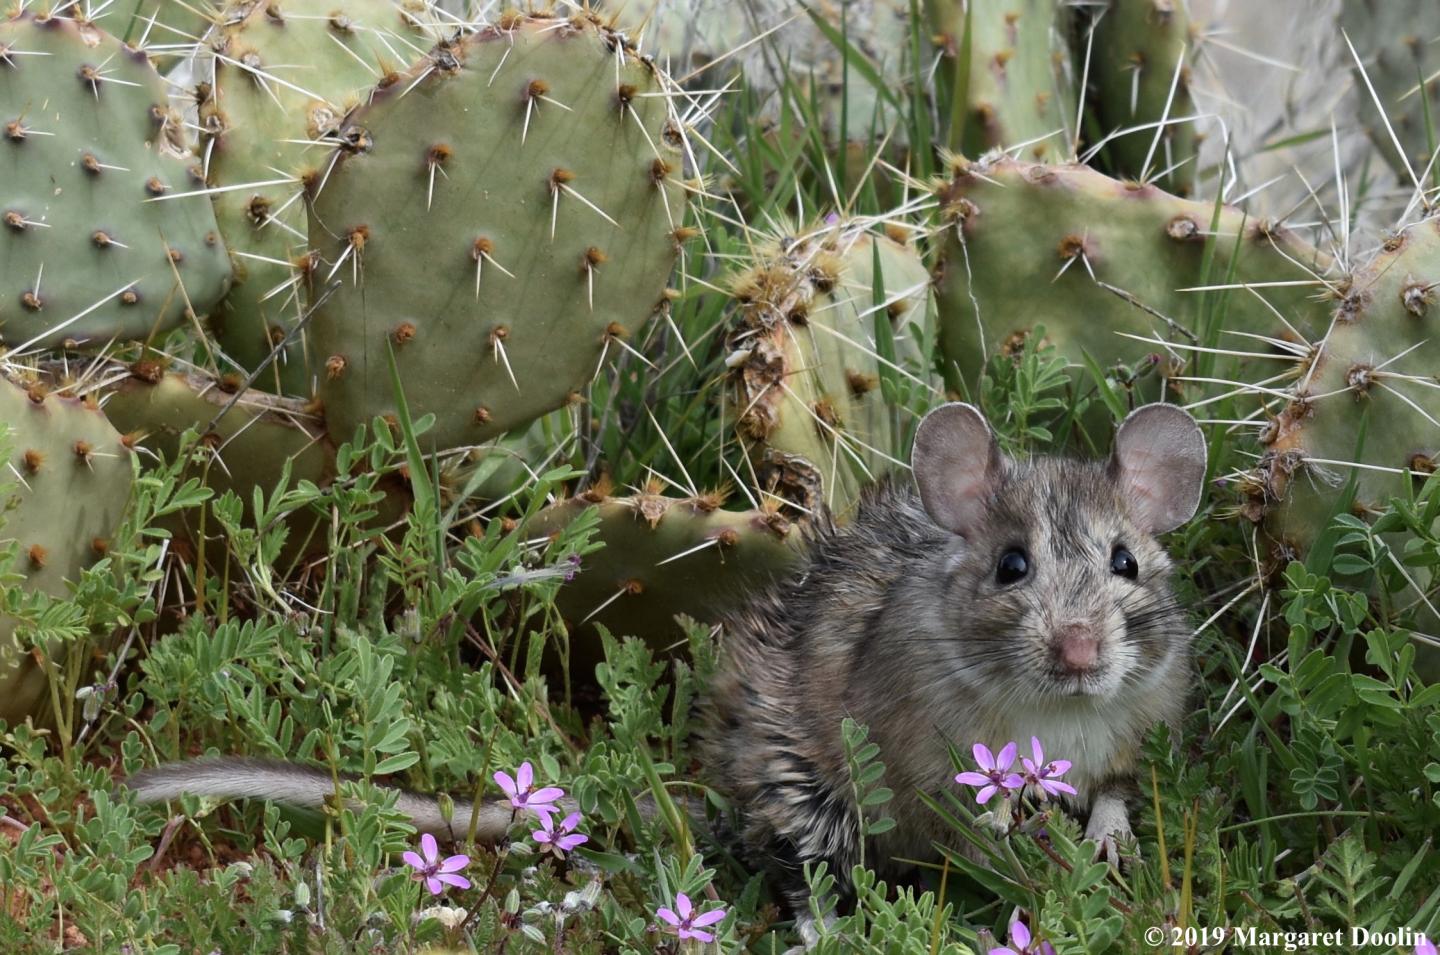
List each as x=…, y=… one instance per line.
x=276, y=81
x=66, y=487
x=86, y=256
x=1141, y=77
x=1094, y=259
x=547, y=241
x=1019, y=88
x=810, y=346
x=666, y=556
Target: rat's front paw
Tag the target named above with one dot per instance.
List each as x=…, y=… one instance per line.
x=1109, y=828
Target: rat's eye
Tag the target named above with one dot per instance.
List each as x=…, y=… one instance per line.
x=1013, y=566
x=1123, y=562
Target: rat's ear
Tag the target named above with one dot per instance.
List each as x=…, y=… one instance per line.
x=957, y=466
x=1159, y=463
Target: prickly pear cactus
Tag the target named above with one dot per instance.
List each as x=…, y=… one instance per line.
x=501, y=218
x=167, y=30
x=831, y=334
x=1395, y=41
x=277, y=79
x=66, y=485
x=685, y=35
x=90, y=250
x=1019, y=88
x=1094, y=259
x=1371, y=374
x=1140, y=74
x=665, y=556
x=247, y=444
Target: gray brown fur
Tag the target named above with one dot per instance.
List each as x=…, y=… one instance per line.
x=900, y=625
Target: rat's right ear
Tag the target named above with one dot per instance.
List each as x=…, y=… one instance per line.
x=957, y=466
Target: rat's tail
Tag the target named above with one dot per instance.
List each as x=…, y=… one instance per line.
x=307, y=787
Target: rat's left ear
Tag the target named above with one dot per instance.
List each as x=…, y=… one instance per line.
x=1159, y=462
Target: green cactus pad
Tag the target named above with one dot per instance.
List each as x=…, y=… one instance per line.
x=66, y=486
x=86, y=141
x=1019, y=87
x=665, y=556
x=250, y=441
x=500, y=216
x=1395, y=41
x=1139, y=47
x=278, y=79
x=809, y=357
x=1373, y=372
x=1032, y=244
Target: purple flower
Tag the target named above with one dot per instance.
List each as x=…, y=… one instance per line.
x=561, y=839
x=523, y=794
x=573, y=569
x=686, y=923
x=1425, y=947
x=994, y=774
x=432, y=870
x=1021, y=943
x=1046, y=775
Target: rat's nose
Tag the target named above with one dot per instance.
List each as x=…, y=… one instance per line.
x=1077, y=646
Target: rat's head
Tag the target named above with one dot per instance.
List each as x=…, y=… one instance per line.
x=1056, y=583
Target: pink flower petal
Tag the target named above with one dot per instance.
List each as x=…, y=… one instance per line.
x=983, y=796
x=1036, y=751
x=1053, y=786
x=545, y=811
x=429, y=848
x=540, y=835
x=698, y=935
x=454, y=863
x=983, y=756
x=459, y=881
x=709, y=918
x=570, y=842
x=973, y=779
x=682, y=905
x=524, y=776
x=1013, y=781
x=434, y=885
x=570, y=822
x=413, y=859
x=1006, y=757
x=1058, y=768
x=1003, y=951
x=668, y=916
x=1020, y=934
x=506, y=784
x=548, y=794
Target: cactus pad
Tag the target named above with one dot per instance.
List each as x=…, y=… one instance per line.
x=1372, y=373
x=1019, y=87
x=499, y=217
x=1140, y=76
x=811, y=348
x=86, y=140
x=665, y=556
x=277, y=81
x=67, y=483
x=1090, y=258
